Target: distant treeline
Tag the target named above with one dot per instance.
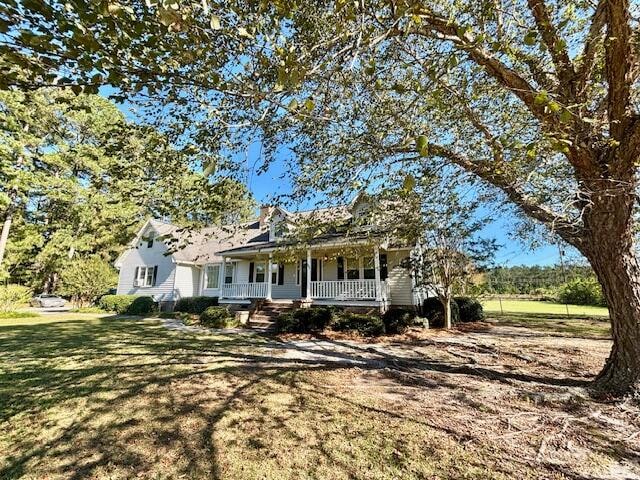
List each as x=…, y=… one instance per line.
x=530, y=280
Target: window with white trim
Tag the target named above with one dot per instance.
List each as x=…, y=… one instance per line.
x=352, y=267
x=229, y=270
x=368, y=268
x=260, y=270
x=212, y=274
x=145, y=276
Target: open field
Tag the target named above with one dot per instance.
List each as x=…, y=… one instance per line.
x=90, y=396
x=538, y=307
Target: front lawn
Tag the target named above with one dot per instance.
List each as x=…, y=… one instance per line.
x=90, y=396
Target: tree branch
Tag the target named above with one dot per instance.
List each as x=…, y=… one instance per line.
x=506, y=76
x=618, y=65
x=587, y=59
x=557, y=48
x=569, y=231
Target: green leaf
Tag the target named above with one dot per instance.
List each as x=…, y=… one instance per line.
x=554, y=107
x=409, y=183
x=530, y=38
x=541, y=98
x=308, y=104
x=293, y=105
x=215, y=22
x=422, y=145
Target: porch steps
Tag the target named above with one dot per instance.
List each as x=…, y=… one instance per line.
x=265, y=313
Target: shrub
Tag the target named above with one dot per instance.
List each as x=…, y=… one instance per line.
x=582, y=291
x=304, y=320
x=397, y=320
x=365, y=325
x=13, y=296
x=433, y=309
x=470, y=309
x=218, y=317
x=128, y=304
x=85, y=279
x=195, y=305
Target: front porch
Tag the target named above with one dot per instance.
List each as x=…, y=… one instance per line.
x=321, y=277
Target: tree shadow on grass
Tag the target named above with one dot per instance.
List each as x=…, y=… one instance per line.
x=121, y=397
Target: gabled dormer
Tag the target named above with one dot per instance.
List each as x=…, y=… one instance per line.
x=279, y=223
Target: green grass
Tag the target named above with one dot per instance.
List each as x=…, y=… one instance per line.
x=4, y=315
x=582, y=321
x=529, y=306
x=108, y=397
x=112, y=397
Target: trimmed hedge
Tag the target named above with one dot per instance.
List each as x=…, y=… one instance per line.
x=218, y=317
x=365, y=325
x=398, y=320
x=128, y=304
x=470, y=309
x=195, y=305
x=304, y=320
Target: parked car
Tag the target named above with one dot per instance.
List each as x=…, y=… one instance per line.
x=45, y=300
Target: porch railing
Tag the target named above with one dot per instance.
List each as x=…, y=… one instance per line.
x=348, y=290
x=244, y=290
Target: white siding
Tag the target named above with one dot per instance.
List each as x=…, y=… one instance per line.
x=399, y=278
x=186, y=281
x=144, y=256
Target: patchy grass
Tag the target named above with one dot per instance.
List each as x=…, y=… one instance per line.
x=4, y=315
x=530, y=306
x=108, y=397
x=574, y=326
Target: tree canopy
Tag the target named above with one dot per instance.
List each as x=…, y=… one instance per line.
x=80, y=179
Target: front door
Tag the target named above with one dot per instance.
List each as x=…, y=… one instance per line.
x=303, y=276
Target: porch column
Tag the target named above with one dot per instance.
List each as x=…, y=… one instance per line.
x=223, y=267
x=376, y=263
x=268, y=277
x=308, y=274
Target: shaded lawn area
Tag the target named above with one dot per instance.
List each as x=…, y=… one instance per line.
x=86, y=396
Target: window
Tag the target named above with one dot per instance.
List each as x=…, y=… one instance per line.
x=213, y=276
x=145, y=276
x=274, y=274
x=228, y=273
x=150, y=243
x=260, y=272
x=353, y=268
x=279, y=229
x=369, y=268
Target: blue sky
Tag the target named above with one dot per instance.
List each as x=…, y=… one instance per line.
x=512, y=251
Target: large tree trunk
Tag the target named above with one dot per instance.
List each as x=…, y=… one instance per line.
x=610, y=249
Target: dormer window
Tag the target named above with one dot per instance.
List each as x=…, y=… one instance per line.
x=279, y=229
